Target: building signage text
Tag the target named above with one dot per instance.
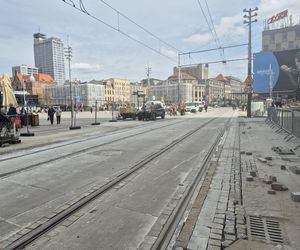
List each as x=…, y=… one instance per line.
x=277, y=17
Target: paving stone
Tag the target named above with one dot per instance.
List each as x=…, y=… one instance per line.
x=272, y=178
x=278, y=186
x=218, y=226
x=216, y=231
x=295, y=196
x=283, y=167
x=214, y=242
x=295, y=169
x=229, y=237
x=229, y=229
x=198, y=243
x=262, y=160
x=271, y=192
x=253, y=173
x=226, y=243
x=249, y=178
x=219, y=221
x=211, y=247
x=269, y=158
x=215, y=236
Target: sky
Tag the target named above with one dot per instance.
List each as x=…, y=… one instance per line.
x=102, y=52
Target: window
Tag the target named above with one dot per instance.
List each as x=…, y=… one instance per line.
x=284, y=36
x=290, y=45
x=278, y=46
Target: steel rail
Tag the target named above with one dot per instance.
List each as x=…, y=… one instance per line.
x=74, y=142
x=4, y=175
x=58, y=218
x=171, y=225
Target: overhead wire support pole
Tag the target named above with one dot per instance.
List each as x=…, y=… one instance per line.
x=68, y=54
x=249, y=82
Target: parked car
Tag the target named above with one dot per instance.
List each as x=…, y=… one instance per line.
x=151, y=110
x=191, y=107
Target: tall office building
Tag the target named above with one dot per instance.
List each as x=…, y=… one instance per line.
x=49, y=56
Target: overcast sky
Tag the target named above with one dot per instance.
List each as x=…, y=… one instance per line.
x=100, y=52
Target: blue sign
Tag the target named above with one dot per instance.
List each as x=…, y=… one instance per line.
x=261, y=69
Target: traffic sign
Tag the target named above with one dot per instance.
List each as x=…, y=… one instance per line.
x=249, y=81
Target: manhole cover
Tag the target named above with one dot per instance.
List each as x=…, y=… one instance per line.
x=264, y=228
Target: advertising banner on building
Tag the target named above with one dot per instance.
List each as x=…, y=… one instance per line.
x=278, y=71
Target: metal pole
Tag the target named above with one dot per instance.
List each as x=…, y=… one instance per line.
x=69, y=51
x=270, y=80
x=148, y=70
x=68, y=56
x=249, y=21
x=179, y=76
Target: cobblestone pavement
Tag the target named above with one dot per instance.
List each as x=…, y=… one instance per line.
x=250, y=202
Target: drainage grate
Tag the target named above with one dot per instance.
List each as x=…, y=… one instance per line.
x=264, y=228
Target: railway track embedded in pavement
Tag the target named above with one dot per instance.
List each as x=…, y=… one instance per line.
x=41, y=229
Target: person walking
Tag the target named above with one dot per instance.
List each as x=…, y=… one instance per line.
x=51, y=112
x=58, y=115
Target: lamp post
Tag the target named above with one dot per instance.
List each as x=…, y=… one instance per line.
x=148, y=71
x=68, y=55
x=249, y=80
x=113, y=119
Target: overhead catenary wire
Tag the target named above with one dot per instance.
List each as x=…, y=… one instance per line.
x=138, y=25
x=212, y=62
x=210, y=29
x=84, y=11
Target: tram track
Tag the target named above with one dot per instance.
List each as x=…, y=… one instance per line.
x=172, y=223
x=61, y=216
x=57, y=158
x=14, y=156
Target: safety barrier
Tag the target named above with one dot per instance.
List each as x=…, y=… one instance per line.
x=286, y=119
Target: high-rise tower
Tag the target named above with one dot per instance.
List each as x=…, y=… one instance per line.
x=49, y=56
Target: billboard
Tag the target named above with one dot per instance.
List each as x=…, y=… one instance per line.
x=278, y=70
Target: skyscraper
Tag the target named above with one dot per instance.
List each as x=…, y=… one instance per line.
x=49, y=56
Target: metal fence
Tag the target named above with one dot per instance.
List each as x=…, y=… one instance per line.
x=287, y=119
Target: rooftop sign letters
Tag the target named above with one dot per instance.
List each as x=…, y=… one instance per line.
x=278, y=17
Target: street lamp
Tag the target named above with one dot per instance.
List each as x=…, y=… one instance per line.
x=249, y=79
x=148, y=71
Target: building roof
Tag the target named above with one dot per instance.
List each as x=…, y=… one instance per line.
x=183, y=76
x=38, y=77
x=233, y=78
x=221, y=78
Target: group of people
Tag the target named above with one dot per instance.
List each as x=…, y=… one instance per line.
x=52, y=112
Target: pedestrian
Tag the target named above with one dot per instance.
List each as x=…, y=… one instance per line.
x=58, y=115
x=51, y=112
x=205, y=107
x=91, y=109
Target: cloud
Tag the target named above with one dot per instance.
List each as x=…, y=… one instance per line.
x=229, y=27
x=87, y=67
x=268, y=8
x=170, y=53
x=199, y=39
